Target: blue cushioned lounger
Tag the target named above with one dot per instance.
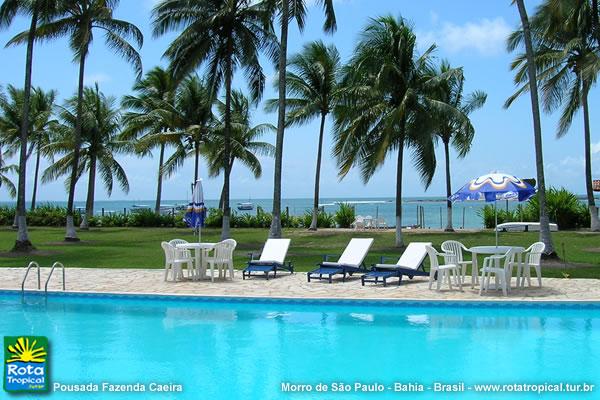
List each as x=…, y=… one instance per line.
x=410, y=264
x=271, y=259
x=350, y=261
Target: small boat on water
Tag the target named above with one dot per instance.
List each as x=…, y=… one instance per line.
x=245, y=206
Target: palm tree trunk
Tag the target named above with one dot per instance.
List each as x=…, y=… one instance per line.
x=38, y=157
x=228, y=77
x=595, y=222
x=71, y=235
x=275, y=231
x=89, y=204
x=545, y=235
x=161, y=159
x=399, y=240
x=449, y=227
x=315, y=214
x=221, y=201
x=23, y=243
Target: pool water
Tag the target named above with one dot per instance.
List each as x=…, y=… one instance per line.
x=247, y=349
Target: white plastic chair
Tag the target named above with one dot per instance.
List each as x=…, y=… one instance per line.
x=533, y=258
x=222, y=258
x=381, y=224
x=174, y=263
x=369, y=222
x=445, y=271
x=359, y=223
x=183, y=253
x=502, y=274
x=456, y=248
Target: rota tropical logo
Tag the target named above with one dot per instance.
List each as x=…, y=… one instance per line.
x=25, y=363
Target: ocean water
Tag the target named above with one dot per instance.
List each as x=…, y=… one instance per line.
x=247, y=350
x=465, y=215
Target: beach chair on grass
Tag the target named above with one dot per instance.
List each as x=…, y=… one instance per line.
x=350, y=261
x=271, y=259
x=410, y=264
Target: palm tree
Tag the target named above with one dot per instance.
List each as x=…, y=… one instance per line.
x=42, y=106
x=288, y=10
x=545, y=235
x=565, y=46
x=4, y=171
x=186, y=124
x=151, y=117
x=245, y=144
x=99, y=145
x=79, y=19
x=387, y=104
x=40, y=114
x=312, y=84
x=38, y=11
x=222, y=35
x=455, y=132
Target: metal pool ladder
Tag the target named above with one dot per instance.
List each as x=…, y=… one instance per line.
x=31, y=265
x=60, y=265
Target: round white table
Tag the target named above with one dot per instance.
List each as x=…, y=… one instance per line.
x=491, y=250
x=199, y=251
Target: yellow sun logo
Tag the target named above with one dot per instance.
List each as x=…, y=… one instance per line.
x=25, y=351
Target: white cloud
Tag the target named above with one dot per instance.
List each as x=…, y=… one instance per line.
x=99, y=78
x=595, y=148
x=486, y=36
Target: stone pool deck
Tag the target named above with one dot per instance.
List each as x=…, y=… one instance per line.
x=150, y=281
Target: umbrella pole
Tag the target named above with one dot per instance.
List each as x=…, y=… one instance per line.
x=496, y=217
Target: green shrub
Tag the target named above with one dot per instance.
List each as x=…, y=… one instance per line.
x=487, y=213
x=344, y=216
x=564, y=209
x=7, y=215
x=324, y=220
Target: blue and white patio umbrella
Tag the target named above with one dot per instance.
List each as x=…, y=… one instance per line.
x=196, y=211
x=493, y=187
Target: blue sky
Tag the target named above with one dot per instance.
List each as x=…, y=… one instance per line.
x=468, y=33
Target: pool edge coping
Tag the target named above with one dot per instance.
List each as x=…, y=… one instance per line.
x=532, y=303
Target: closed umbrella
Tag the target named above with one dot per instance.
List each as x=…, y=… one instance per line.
x=196, y=212
x=493, y=187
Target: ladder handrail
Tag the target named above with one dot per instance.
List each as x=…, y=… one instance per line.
x=31, y=265
x=56, y=264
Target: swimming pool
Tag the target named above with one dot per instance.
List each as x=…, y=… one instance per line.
x=250, y=349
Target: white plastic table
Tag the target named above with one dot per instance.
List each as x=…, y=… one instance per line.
x=491, y=250
x=199, y=250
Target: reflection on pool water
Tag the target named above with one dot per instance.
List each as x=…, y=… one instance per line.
x=251, y=350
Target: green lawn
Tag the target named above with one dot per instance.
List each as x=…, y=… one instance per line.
x=140, y=248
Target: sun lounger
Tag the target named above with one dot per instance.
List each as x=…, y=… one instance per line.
x=409, y=264
x=350, y=261
x=523, y=227
x=271, y=259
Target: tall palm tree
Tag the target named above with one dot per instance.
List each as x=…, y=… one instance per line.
x=79, y=20
x=312, y=84
x=566, y=54
x=151, y=116
x=387, y=105
x=545, y=235
x=455, y=132
x=42, y=105
x=245, y=144
x=224, y=36
x=40, y=119
x=189, y=125
x=38, y=11
x=100, y=143
x=288, y=10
